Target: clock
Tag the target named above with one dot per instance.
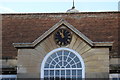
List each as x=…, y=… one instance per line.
x=63, y=37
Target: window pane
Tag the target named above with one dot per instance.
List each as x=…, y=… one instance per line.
x=76, y=59
x=53, y=55
x=53, y=62
x=65, y=63
x=72, y=55
x=68, y=66
x=115, y=79
x=49, y=60
x=66, y=53
x=65, y=57
x=68, y=77
x=79, y=65
x=60, y=58
x=51, y=72
x=74, y=66
x=51, y=66
x=67, y=72
x=57, y=66
x=46, y=65
x=62, y=72
x=51, y=78
x=60, y=63
x=69, y=59
x=79, y=72
x=73, y=72
x=56, y=59
x=80, y=78
x=72, y=62
x=57, y=72
x=46, y=78
x=56, y=78
x=46, y=72
x=59, y=53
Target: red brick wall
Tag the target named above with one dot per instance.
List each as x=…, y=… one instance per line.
x=19, y=28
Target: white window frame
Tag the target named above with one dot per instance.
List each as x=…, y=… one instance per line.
x=8, y=76
x=59, y=49
x=114, y=76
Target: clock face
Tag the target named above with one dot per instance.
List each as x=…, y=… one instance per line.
x=63, y=37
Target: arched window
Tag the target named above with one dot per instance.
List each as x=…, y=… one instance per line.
x=62, y=63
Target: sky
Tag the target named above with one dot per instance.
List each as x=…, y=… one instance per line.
x=55, y=6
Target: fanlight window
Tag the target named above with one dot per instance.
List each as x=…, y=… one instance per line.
x=63, y=64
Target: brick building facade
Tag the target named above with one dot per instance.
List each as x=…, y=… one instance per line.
x=98, y=31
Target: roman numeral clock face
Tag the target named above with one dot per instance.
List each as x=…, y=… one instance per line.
x=63, y=37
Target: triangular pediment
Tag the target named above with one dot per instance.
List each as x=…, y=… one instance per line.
x=56, y=26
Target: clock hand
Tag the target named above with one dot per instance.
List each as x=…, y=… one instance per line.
x=62, y=35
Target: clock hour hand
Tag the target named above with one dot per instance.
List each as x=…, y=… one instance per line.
x=62, y=35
